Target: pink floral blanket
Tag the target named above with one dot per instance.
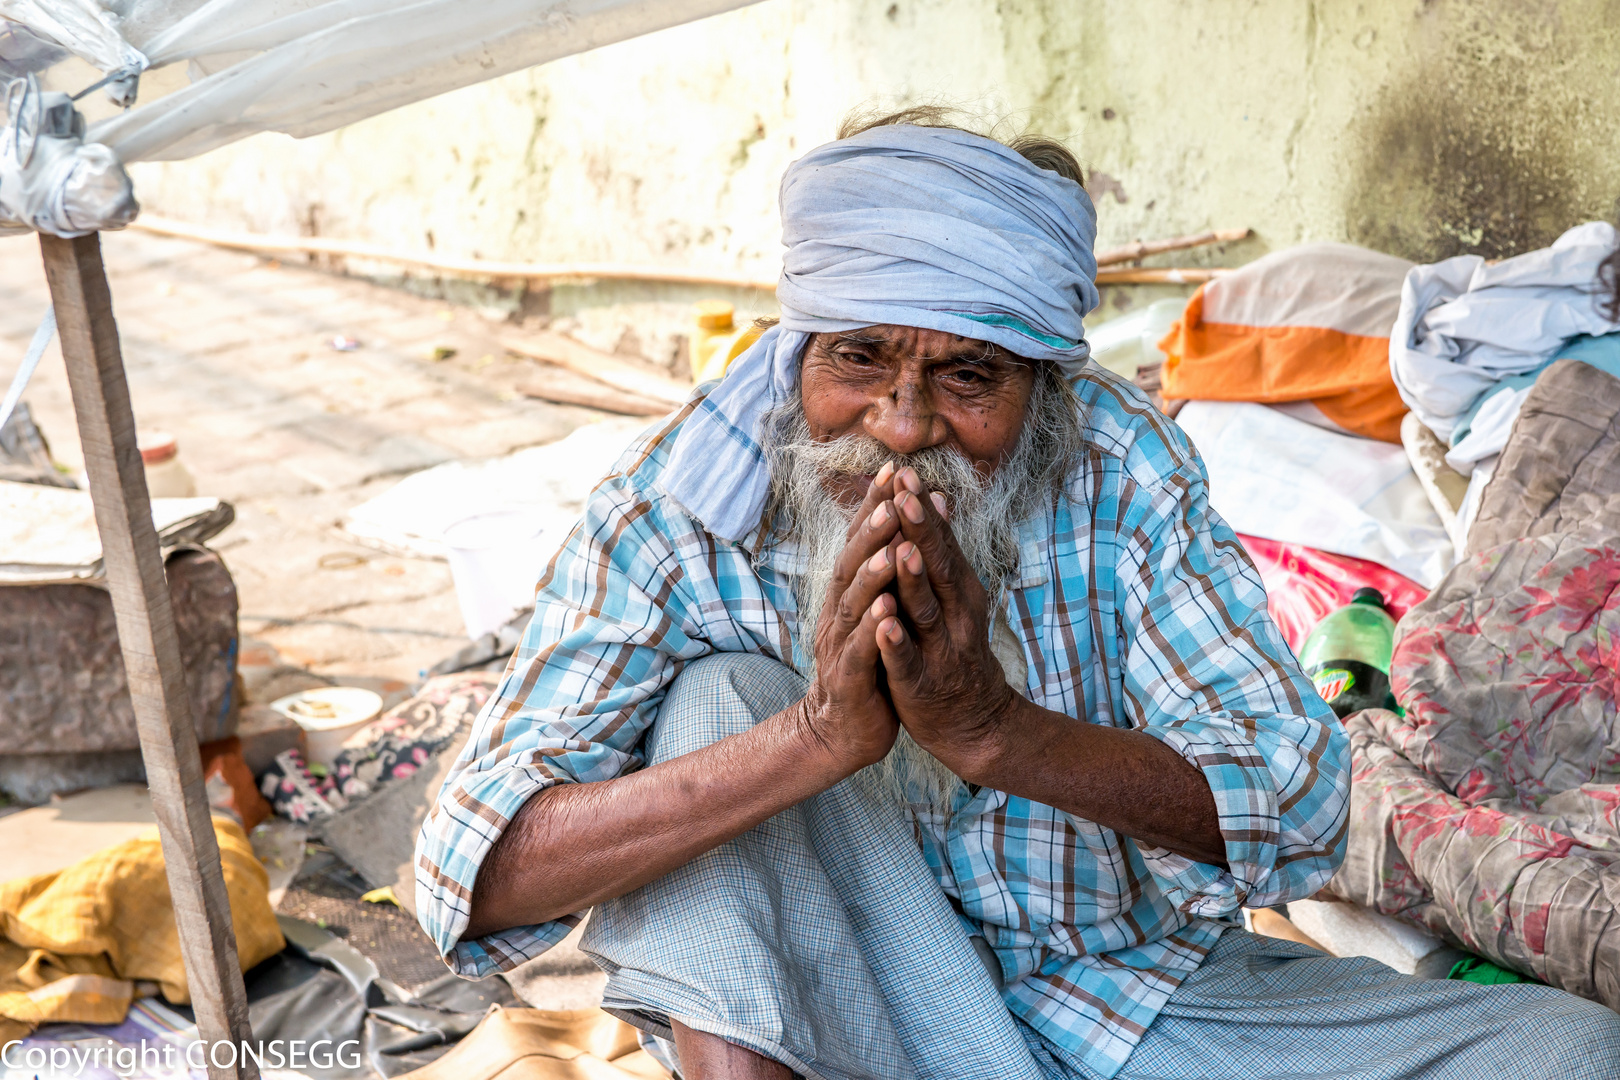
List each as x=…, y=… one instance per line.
x=1490, y=812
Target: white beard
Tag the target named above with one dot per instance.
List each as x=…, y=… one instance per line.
x=982, y=516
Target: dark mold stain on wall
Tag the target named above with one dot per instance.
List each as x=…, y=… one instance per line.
x=1484, y=148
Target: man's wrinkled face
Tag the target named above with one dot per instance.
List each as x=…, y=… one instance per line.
x=912, y=389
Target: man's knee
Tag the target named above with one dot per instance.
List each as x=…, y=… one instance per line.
x=1544, y=1033
x=719, y=695
x=1582, y=1036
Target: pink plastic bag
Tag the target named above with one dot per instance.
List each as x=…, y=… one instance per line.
x=1304, y=584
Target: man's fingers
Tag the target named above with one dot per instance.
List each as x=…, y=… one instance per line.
x=868, y=535
x=902, y=660
x=879, y=494
x=916, y=595
x=922, y=523
x=861, y=649
x=871, y=578
x=878, y=491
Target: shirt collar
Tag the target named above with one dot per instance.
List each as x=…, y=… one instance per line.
x=785, y=556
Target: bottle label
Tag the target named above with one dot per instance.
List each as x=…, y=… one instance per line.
x=1331, y=682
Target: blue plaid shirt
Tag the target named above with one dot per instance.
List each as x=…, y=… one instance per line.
x=1135, y=606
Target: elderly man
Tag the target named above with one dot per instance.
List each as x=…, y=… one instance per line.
x=903, y=710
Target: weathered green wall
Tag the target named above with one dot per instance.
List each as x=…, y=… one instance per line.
x=1421, y=127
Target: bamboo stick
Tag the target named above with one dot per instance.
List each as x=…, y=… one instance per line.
x=553, y=348
x=577, y=390
x=492, y=270
x=487, y=269
x=1141, y=249
x=1195, y=275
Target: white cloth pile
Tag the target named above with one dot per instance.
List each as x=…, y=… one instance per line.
x=1280, y=468
x=48, y=535
x=1471, y=335
x=1468, y=342
x=1274, y=476
x=553, y=480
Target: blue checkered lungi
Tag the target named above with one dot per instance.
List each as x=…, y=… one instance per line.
x=821, y=939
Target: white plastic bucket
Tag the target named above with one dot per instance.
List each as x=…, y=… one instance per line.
x=329, y=715
x=495, y=559
x=1126, y=342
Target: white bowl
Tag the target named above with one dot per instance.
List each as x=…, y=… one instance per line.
x=329, y=715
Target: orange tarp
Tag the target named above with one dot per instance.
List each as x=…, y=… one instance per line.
x=1344, y=375
x=1308, y=323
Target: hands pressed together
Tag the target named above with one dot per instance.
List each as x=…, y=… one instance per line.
x=904, y=638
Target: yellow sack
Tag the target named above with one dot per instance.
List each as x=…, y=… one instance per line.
x=75, y=941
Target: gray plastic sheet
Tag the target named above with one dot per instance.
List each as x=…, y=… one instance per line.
x=301, y=67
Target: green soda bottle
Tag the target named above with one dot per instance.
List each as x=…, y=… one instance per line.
x=1347, y=655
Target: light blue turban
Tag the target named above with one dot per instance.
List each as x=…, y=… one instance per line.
x=908, y=226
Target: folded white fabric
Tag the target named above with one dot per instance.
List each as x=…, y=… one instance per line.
x=49, y=535
x=1278, y=478
x=1464, y=324
x=552, y=481
x=1489, y=431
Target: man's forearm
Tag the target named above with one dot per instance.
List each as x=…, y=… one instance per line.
x=575, y=845
x=1123, y=780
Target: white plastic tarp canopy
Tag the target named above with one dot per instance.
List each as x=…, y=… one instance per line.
x=296, y=66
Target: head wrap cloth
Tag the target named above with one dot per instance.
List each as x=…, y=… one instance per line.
x=909, y=226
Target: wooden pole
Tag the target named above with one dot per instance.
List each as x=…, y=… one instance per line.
x=1169, y=275
x=1141, y=249
x=151, y=647
x=448, y=266
x=489, y=270
x=550, y=347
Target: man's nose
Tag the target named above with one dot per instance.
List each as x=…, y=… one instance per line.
x=904, y=419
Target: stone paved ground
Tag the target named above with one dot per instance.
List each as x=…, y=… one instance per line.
x=231, y=353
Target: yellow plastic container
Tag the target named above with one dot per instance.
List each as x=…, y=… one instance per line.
x=715, y=322
x=717, y=341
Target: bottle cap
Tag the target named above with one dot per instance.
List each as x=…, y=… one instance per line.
x=713, y=315
x=157, y=447
x=1368, y=595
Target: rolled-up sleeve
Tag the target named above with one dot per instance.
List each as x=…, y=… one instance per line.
x=612, y=627
x=1207, y=673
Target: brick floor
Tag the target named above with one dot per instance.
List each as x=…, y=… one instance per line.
x=231, y=353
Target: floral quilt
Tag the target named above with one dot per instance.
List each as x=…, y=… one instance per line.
x=1490, y=812
x=390, y=748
